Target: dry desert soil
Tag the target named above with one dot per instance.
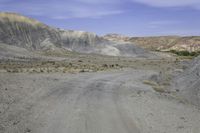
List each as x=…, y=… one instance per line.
x=94, y=94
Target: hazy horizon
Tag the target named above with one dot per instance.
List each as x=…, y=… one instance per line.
x=130, y=17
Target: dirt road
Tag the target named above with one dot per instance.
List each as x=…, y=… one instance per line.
x=103, y=102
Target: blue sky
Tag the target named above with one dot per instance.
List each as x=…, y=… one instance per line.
x=127, y=17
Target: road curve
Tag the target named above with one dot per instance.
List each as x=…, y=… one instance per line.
x=105, y=102
x=87, y=105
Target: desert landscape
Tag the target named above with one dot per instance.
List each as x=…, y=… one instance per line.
x=65, y=81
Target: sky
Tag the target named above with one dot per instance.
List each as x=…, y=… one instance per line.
x=126, y=17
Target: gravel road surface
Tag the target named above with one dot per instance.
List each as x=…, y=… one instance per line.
x=103, y=102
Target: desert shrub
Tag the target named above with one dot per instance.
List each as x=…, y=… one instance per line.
x=15, y=71
x=104, y=65
x=8, y=70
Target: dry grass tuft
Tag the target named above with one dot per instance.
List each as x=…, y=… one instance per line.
x=151, y=83
x=14, y=17
x=155, y=86
x=159, y=89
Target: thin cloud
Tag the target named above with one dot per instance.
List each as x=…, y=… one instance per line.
x=170, y=3
x=99, y=1
x=163, y=22
x=95, y=15
x=64, y=9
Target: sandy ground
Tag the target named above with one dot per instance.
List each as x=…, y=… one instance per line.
x=101, y=102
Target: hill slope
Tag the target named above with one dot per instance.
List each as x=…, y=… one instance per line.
x=161, y=43
x=30, y=34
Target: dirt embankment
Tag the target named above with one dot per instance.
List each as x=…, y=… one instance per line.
x=188, y=82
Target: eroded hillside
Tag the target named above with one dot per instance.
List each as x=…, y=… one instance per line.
x=30, y=34
x=161, y=43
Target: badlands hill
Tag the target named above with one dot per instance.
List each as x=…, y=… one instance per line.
x=29, y=34
x=161, y=43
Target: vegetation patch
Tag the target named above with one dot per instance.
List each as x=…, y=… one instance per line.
x=185, y=53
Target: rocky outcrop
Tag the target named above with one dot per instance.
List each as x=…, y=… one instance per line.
x=117, y=37
x=79, y=40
